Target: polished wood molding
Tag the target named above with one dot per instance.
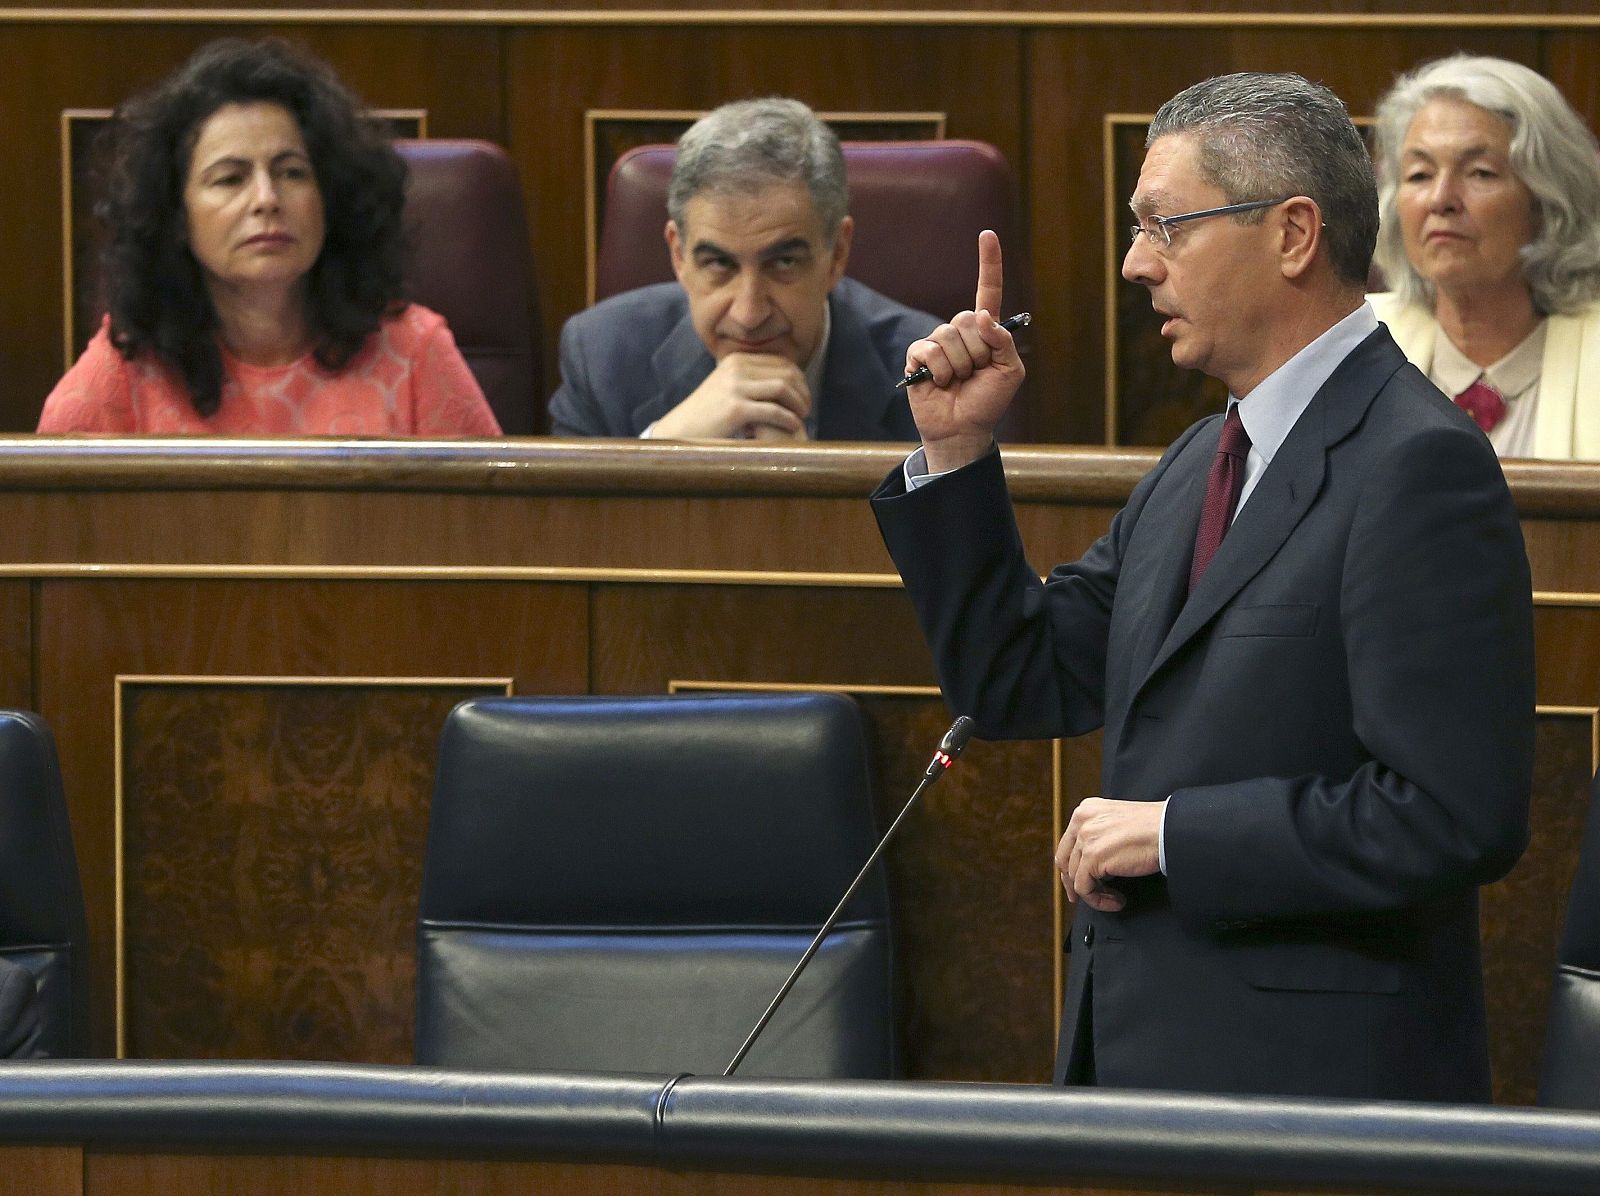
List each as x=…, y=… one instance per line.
x=920, y=18
x=546, y=465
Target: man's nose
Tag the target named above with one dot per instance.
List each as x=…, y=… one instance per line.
x=752, y=300
x=1142, y=264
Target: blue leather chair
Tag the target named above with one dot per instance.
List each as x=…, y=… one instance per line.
x=42, y=922
x=621, y=884
x=1570, y=1075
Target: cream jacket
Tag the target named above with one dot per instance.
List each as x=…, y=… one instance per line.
x=1567, y=424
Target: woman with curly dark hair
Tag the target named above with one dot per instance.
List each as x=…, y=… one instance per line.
x=253, y=276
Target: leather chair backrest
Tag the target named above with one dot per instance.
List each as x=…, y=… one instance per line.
x=1570, y=1075
x=42, y=922
x=621, y=884
x=918, y=208
x=471, y=264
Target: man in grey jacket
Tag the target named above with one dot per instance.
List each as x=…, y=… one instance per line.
x=762, y=337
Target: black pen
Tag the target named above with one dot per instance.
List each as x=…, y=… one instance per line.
x=922, y=373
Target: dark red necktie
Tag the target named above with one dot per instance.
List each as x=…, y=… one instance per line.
x=1484, y=403
x=1222, y=493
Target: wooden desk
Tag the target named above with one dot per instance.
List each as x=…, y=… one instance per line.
x=246, y=650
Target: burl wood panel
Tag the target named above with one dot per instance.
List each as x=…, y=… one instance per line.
x=93, y=631
x=971, y=881
x=1523, y=914
x=273, y=839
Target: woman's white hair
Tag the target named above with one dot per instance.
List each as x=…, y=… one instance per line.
x=1552, y=151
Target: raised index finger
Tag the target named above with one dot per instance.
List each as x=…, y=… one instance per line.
x=990, y=274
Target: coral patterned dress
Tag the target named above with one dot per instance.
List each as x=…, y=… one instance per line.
x=408, y=380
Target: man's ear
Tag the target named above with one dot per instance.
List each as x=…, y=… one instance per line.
x=841, y=251
x=675, y=248
x=1303, y=232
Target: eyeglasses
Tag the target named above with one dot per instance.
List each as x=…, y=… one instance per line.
x=1159, y=228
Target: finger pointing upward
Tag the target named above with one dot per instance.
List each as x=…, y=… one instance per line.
x=990, y=275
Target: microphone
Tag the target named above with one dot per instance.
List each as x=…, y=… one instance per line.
x=951, y=746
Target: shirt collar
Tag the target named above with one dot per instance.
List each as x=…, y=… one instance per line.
x=1512, y=375
x=1271, y=409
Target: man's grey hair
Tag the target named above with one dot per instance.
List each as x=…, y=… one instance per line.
x=1266, y=136
x=744, y=147
x=1552, y=152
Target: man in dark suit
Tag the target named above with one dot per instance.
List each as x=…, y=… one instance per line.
x=762, y=336
x=19, y=1012
x=1308, y=637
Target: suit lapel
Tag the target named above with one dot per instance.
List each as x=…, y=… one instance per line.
x=677, y=367
x=857, y=390
x=1284, y=494
x=1279, y=501
x=1172, y=515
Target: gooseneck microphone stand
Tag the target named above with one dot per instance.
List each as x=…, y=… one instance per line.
x=955, y=739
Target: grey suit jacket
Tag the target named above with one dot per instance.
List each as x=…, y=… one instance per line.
x=632, y=358
x=1341, y=714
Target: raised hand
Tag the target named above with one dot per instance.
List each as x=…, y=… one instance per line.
x=975, y=368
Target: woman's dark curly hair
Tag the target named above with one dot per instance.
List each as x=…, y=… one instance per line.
x=155, y=291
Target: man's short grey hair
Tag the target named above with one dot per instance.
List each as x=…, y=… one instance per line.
x=1266, y=136
x=747, y=146
x=1552, y=151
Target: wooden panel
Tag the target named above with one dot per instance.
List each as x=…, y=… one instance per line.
x=129, y=1174
x=16, y=644
x=91, y=632
x=205, y=528
x=1523, y=914
x=138, y=1174
x=974, y=887
x=272, y=856
x=41, y=1171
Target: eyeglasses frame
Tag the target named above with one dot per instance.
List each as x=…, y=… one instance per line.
x=1164, y=223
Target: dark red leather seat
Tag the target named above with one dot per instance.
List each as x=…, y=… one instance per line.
x=471, y=264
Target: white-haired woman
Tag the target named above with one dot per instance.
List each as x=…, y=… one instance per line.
x=1489, y=190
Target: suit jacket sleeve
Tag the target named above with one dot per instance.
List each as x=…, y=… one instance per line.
x=19, y=1013
x=1024, y=659
x=574, y=410
x=1436, y=619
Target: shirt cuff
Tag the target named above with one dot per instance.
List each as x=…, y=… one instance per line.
x=1161, y=839
x=916, y=471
